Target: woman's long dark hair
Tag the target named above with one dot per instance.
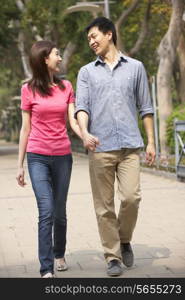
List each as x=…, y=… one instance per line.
x=40, y=81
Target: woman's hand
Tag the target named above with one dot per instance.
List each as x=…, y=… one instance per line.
x=90, y=141
x=20, y=177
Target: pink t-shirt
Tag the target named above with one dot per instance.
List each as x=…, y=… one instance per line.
x=48, y=134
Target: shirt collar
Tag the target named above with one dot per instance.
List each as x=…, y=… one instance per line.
x=121, y=57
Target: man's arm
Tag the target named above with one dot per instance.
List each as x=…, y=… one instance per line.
x=149, y=129
x=89, y=140
x=83, y=109
x=146, y=112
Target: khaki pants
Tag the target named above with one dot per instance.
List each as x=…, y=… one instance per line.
x=104, y=167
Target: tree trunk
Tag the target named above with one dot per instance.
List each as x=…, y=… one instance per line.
x=121, y=20
x=24, y=56
x=167, y=54
x=68, y=52
x=21, y=39
x=181, y=64
x=164, y=77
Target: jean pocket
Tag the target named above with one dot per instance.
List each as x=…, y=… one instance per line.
x=35, y=157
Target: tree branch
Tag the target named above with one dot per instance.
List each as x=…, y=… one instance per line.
x=122, y=19
x=20, y=5
x=24, y=57
x=143, y=32
x=126, y=13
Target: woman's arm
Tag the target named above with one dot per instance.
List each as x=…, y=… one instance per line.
x=89, y=140
x=23, y=140
x=72, y=121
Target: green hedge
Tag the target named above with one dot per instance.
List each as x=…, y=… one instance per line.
x=179, y=114
x=10, y=122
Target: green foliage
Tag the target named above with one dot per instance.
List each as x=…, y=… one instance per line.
x=8, y=14
x=49, y=17
x=158, y=24
x=179, y=114
x=11, y=121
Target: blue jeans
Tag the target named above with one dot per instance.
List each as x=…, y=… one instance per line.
x=50, y=178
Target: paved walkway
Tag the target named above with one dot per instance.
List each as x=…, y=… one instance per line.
x=158, y=242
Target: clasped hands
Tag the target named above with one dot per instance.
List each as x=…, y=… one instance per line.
x=90, y=141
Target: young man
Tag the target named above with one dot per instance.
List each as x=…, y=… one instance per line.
x=110, y=92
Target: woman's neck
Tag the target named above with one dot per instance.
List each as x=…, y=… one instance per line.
x=51, y=78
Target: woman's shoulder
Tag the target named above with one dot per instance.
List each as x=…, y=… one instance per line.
x=26, y=90
x=25, y=87
x=67, y=83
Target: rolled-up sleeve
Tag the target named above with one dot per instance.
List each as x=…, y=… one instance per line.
x=143, y=98
x=82, y=92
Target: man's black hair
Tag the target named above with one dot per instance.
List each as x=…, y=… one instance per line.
x=104, y=25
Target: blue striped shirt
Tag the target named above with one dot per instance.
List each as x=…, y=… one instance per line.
x=113, y=99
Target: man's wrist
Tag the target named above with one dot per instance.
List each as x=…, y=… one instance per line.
x=151, y=143
x=84, y=132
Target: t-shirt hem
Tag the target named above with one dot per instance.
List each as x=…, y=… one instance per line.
x=49, y=153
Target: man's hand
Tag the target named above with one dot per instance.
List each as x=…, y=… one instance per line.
x=150, y=154
x=90, y=141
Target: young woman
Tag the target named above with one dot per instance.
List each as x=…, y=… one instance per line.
x=46, y=101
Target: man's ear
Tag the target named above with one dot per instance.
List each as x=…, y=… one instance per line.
x=109, y=33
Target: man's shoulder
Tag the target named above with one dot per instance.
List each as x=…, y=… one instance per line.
x=86, y=70
x=132, y=60
x=88, y=66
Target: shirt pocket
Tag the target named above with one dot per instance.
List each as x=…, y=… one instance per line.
x=99, y=83
x=128, y=86
x=100, y=89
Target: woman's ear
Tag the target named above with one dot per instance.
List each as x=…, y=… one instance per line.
x=46, y=60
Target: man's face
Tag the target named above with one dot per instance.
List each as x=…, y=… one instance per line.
x=98, y=41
